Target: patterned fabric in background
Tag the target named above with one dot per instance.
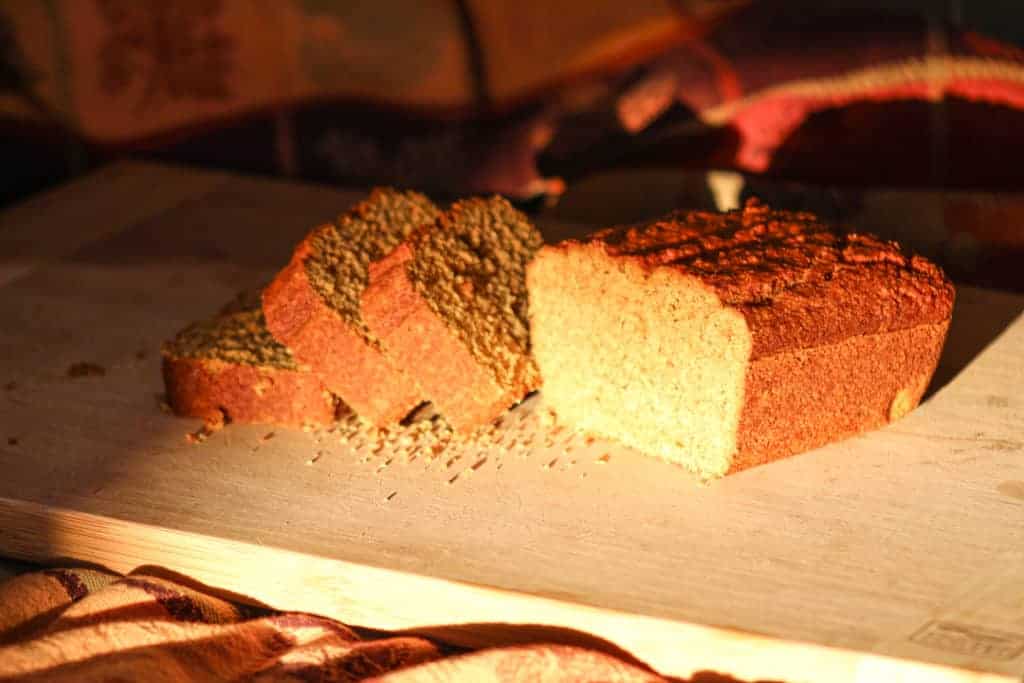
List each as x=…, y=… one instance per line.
x=91, y=625
x=468, y=96
x=458, y=97
x=314, y=88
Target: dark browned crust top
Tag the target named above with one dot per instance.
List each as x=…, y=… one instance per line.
x=799, y=282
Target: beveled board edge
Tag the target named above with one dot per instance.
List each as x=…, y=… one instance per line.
x=391, y=600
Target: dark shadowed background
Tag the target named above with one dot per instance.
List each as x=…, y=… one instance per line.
x=525, y=98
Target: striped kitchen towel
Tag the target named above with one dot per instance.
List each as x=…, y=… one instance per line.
x=152, y=625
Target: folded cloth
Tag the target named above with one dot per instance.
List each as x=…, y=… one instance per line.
x=852, y=97
x=93, y=625
x=348, y=94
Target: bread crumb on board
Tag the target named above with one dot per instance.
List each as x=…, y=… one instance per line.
x=426, y=438
x=86, y=369
x=198, y=436
x=209, y=428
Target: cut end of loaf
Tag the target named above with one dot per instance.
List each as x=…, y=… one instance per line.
x=651, y=359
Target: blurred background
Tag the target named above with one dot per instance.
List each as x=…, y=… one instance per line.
x=816, y=103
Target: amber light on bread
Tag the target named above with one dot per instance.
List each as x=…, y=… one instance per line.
x=722, y=341
x=312, y=306
x=449, y=306
x=230, y=367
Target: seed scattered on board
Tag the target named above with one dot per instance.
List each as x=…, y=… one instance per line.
x=517, y=434
x=203, y=433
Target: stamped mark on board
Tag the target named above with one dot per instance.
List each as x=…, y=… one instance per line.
x=950, y=636
x=984, y=621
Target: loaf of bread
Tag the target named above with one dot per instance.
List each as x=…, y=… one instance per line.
x=449, y=306
x=312, y=306
x=230, y=368
x=723, y=341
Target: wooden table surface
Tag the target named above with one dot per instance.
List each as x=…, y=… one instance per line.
x=898, y=555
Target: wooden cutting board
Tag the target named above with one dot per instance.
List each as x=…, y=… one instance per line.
x=898, y=555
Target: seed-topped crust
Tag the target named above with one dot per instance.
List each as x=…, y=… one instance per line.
x=470, y=268
x=338, y=265
x=312, y=305
x=449, y=305
x=241, y=338
x=231, y=367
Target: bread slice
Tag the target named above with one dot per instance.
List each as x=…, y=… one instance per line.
x=312, y=306
x=449, y=306
x=722, y=341
x=231, y=368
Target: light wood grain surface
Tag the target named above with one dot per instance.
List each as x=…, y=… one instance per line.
x=897, y=554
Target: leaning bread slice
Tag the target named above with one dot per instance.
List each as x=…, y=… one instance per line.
x=449, y=306
x=722, y=341
x=312, y=306
x=231, y=368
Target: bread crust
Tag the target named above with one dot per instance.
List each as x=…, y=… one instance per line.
x=365, y=379
x=215, y=390
x=803, y=399
x=463, y=391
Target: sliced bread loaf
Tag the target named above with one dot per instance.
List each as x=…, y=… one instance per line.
x=312, y=306
x=722, y=341
x=231, y=368
x=449, y=306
